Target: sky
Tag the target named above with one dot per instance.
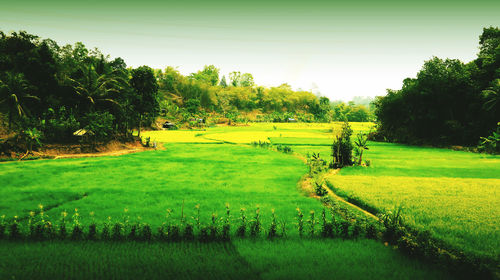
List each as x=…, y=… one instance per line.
x=340, y=49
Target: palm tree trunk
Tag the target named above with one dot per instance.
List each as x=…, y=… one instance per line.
x=360, y=156
x=140, y=124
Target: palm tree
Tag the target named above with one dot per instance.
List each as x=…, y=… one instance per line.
x=492, y=96
x=15, y=94
x=361, y=144
x=97, y=88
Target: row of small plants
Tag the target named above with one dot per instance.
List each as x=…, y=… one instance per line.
x=38, y=226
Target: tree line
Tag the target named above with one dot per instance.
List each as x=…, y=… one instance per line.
x=237, y=96
x=449, y=102
x=47, y=92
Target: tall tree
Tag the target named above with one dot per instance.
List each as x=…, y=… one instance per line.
x=223, y=82
x=209, y=75
x=145, y=103
x=16, y=96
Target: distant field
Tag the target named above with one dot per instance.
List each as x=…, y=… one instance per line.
x=286, y=133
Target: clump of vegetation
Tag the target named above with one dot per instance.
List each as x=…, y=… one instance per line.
x=273, y=227
x=255, y=226
x=327, y=228
x=491, y=144
x=360, y=145
x=261, y=144
x=242, y=228
x=300, y=222
x=319, y=189
x=312, y=223
x=342, y=148
x=284, y=149
x=393, y=223
x=464, y=105
x=316, y=164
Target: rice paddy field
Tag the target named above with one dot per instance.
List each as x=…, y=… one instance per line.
x=452, y=194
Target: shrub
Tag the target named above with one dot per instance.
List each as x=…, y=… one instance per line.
x=273, y=228
x=326, y=227
x=214, y=231
x=173, y=233
x=106, y=233
x=92, y=234
x=491, y=144
x=319, y=190
x=117, y=232
x=189, y=232
x=344, y=229
x=204, y=235
x=316, y=164
x=146, y=232
x=226, y=228
x=241, y=230
x=59, y=127
x=255, y=226
x=356, y=229
x=99, y=127
x=342, y=148
x=371, y=231
x=312, y=223
x=3, y=226
x=133, y=233
x=393, y=223
x=77, y=233
x=300, y=222
x=14, y=232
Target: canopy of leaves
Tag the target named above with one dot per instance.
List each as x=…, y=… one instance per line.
x=449, y=102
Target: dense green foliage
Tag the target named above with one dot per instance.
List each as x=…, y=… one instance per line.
x=449, y=102
x=342, y=148
x=58, y=90
x=242, y=100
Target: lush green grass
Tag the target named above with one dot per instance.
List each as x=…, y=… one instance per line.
x=452, y=194
x=243, y=259
x=333, y=259
x=96, y=260
x=455, y=195
x=149, y=183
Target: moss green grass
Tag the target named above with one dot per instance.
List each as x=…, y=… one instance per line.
x=242, y=259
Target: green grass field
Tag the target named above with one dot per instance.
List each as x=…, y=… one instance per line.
x=455, y=195
x=452, y=194
x=243, y=259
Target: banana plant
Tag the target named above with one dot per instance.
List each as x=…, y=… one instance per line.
x=361, y=143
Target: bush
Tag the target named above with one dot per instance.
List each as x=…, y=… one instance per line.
x=319, y=190
x=99, y=127
x=491, y=144
x=59, y=127
x=342, y=148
